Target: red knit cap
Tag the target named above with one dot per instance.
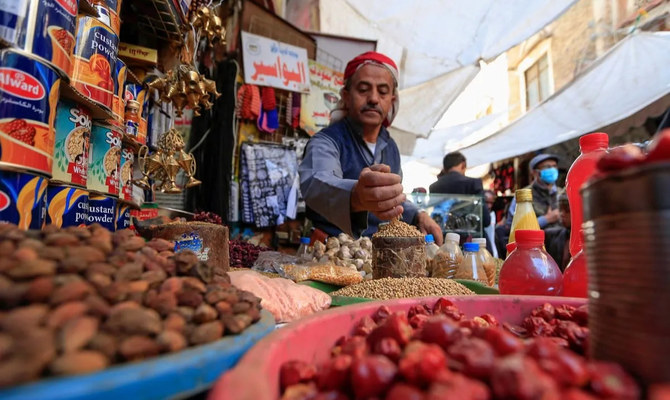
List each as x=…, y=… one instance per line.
x=371, y=57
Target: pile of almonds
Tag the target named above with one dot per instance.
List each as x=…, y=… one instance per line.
x=77, y=300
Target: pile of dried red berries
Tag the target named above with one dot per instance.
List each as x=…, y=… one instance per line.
x=437, y=353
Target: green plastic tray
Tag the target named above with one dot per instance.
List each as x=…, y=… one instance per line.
x=477, y=287
x=324, y=287
x=339, y=301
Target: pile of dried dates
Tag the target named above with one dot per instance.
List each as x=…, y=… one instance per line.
x=79, y=299
x=437, y=353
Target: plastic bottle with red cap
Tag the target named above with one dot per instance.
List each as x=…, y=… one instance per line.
x=530, y=270
x=592, y=146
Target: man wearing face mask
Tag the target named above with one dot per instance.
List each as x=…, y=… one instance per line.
x=544, y=170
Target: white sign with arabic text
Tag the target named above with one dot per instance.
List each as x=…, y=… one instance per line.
x=268, y=62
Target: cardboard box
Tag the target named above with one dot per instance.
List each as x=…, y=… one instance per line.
x=138, y=55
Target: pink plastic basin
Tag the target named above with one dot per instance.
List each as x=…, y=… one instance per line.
x=256, y=376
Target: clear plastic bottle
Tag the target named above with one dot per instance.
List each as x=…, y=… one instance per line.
x=471, y=267
x=431, y=252
x=449, y=257
x=487, y=260
x=524, y=215
x=303, y=253
x=529, y=270
x=592, y=147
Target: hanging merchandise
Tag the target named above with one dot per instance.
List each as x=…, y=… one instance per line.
x=163, y=165
x=267, y=175
x=184, y=86
x=249, y=103
x=204, y=20
x=268, y=121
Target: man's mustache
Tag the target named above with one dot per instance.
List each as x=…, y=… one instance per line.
x=372, y=108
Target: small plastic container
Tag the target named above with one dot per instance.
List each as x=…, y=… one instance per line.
x=471, y=267
x=303, y=252
x=575, y=277
x=487, y=260
x=449, y=258
x=431, y=251
x=530, y=270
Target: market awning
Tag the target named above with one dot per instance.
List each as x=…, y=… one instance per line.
x=628, y=78
x=432, y=40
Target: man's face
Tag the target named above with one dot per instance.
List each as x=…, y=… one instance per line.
x=370, y=95
x=543, y=165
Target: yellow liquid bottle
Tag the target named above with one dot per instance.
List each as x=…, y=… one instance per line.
x=524, y=216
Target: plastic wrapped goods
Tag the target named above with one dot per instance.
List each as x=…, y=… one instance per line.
x=286, y=300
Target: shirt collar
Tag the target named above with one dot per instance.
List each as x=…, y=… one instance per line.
x=358, y=130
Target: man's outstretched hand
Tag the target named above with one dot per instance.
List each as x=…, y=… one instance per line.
x=428, y=226
x=378, y=191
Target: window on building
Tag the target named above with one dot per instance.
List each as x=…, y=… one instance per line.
x=537, y=82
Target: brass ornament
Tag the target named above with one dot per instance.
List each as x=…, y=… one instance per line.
x=164, y=164
x=184, y=86
x=207, y=23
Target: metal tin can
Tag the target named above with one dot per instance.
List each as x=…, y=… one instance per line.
x=114, y=6
x=122, y=217
x=119, y=102
x=29, y=91
x=105, y=161
x=138, y=93
x=126, y=175
x=66, y=206
x=22, y=199
x=44, y=28
x=73, y=140
x=101, y=210
x=94, y=64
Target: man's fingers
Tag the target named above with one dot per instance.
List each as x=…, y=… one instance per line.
x=380, y=168
x=381, y=193
x=389, y=214
x=372, y=179
x=390, y=203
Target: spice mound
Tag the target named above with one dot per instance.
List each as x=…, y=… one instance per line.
x=397, y=228
x=398, y=288
x=79, y=299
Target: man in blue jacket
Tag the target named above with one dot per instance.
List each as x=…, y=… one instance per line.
x=351, y=176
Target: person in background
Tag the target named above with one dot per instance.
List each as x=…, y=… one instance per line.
x=489, y=200
x=350, y=176
x=544, y=170
x=557, y=238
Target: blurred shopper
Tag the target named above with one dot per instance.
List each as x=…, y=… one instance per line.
x=489, y=200
x=350, y=176
x=544, y=170
x=557, y=238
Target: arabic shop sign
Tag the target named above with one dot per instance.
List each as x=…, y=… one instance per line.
x=316, y=106
x=268, y=62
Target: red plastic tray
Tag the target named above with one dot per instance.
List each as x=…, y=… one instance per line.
x=256, y=376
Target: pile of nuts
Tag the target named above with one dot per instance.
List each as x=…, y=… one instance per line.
x=79, y=299
x=397, y=228
x=398, y=288
x=436, y=352
x=243, y=254
x=344, y=251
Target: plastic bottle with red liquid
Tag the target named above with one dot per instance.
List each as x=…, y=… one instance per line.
x=592, y=146
x=575, y=277
x=530, y=270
